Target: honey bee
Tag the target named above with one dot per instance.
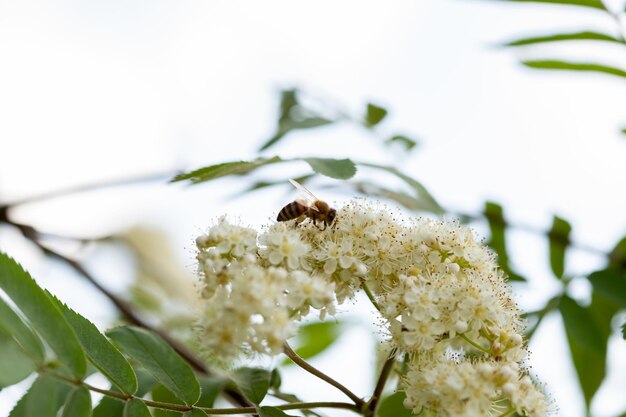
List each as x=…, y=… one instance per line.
x=307, y=206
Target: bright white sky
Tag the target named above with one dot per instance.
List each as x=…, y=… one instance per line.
x=91, y=91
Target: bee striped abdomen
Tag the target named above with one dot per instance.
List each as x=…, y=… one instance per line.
x=291, y=211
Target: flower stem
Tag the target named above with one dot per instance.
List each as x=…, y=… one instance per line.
x=476, y=345
x=370, y=295
x=507, y=412
x=314, y=371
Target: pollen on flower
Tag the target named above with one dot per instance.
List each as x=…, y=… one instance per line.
x=440, y=295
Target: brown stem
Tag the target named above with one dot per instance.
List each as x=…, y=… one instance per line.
x=314, y=371
x=380, y=384
x=182, y=407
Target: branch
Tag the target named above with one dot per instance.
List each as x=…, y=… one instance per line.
x=314, y=371
x=380, y=384
x=89, y=187
x=211, y=411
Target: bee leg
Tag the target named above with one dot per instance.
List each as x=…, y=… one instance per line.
x=299, y=220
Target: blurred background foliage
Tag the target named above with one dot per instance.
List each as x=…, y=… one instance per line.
x=163, y=294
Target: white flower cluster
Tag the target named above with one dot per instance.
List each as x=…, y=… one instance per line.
x=252, y=303
x=444, y=300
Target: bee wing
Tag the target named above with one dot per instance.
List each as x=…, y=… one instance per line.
x=306, y=198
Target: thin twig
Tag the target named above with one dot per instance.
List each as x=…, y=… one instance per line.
x=182, y=407
x=314, y=371
x=89, y=187
x=382, y=380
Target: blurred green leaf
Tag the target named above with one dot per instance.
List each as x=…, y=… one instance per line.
x=558, y=237
x=428, y=201
x=623, y=130
x=624, y=331
x=275, y=380
x=41, y=399
x=160, y=360
x=272, y=412
x=78, y=403
x=14, y=364
x=13, y=325
x=253, y=382
x=293, y=116
x=264, y=184
x=375, y=114
x=100, y=351
x=587, y=337
x=341, y=169
x=497, y=228
x=617, y=257
x=584, y=36
x=43, y=315
x=574, y=66
x=596, y=4
x=314, y=338
x=136, y=408
x=404, y=199
x=611, y=283
x=407, y=142
x=393, y=406
x=212, y=172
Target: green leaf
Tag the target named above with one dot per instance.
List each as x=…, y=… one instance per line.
x=43, y=315
x=393, y=406
x=78, y=403
x=587, y=341
x=109, y=407
x=272, y=412
x=136, y=408
x=314, y=338
x=160, y=360
x=574, y=66
x=195, y=413
x=375, y=114
x=558, y=237
x=623, y=131
x=211, y=387
x=341, y=169
x=407, y=142
x=576, y=36
x=162, y=394
x=294, y=116
x=428, y=201
x=41, y=400
x=112, y=407
x=253, y=382
x=14, y=364
x=276, y=380
x=497, y=241
x=624, y=331
x=596, y=4
x=100, y=351
x=12, y=324
x=611, y=283
x=212, y=172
